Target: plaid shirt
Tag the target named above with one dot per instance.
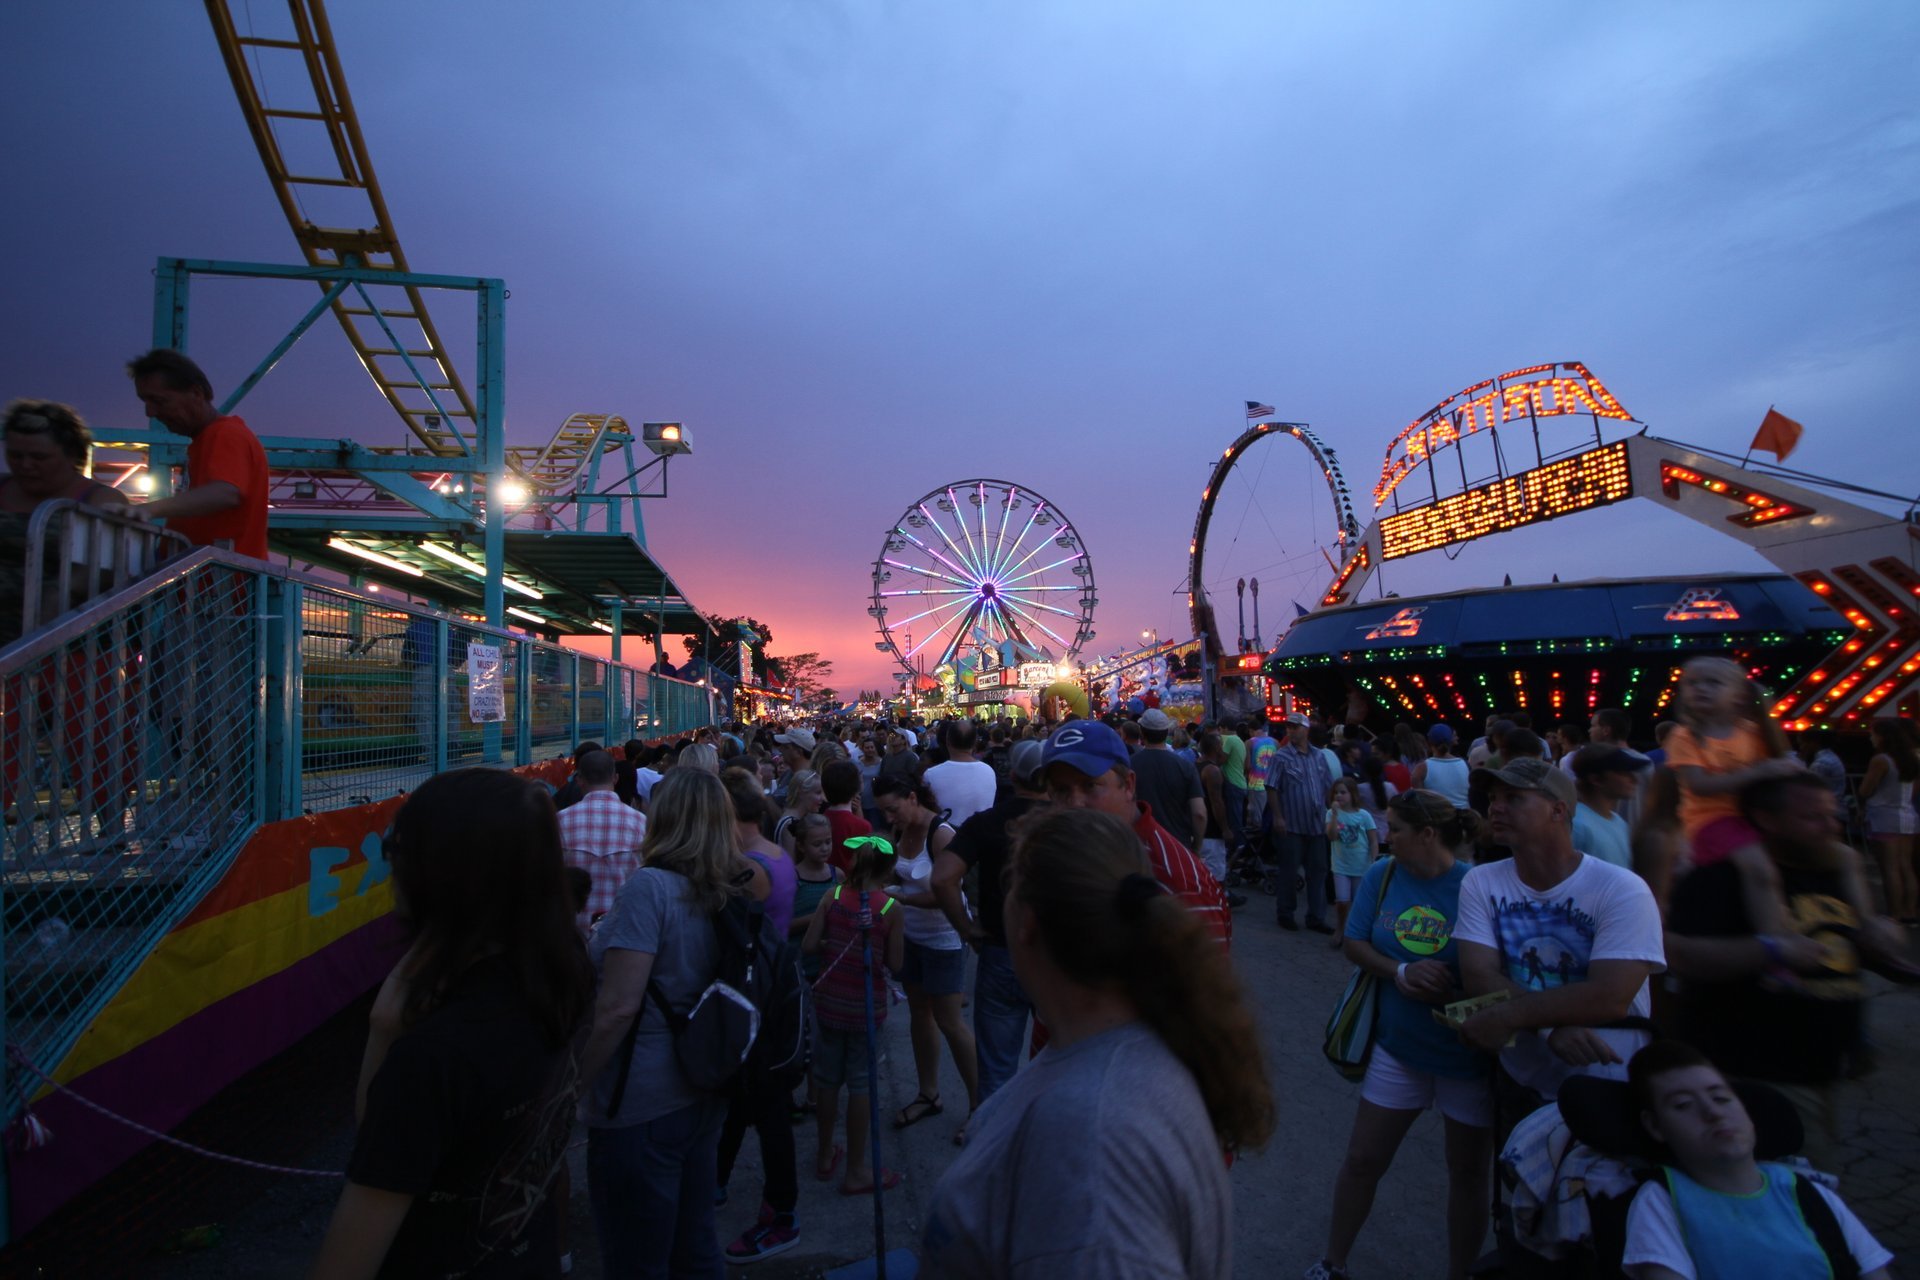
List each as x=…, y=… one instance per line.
x=602, y=835
x=1303, y=783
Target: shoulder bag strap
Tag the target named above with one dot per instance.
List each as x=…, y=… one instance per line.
x=1820, y=1219
x=625, y=1052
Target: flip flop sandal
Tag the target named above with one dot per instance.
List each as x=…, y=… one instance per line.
x=825, y=1174
x=889, y=1179
x=919, y=1109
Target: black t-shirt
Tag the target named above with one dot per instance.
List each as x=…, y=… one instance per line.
x=470, y=1114
x=983, y=842
x=1165, y=782
x=1796, y=1035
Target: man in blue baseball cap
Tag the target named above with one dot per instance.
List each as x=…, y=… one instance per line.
x=1086, y=766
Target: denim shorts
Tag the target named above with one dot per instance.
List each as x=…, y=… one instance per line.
x=937, y=973
x=840, y=1057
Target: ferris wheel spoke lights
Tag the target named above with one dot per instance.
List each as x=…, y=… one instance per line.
x=979, y=583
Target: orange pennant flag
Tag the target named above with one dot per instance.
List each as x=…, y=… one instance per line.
x=1778, y=434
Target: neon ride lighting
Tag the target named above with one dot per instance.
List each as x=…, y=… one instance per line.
x=1338, y=591
x=1595, y=478
x=1538, y=391
x=1761, y=508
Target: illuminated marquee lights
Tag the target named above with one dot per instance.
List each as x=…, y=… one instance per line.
x=1762, y=508
x=1338, y=591
x=1595, y=478
x=1564, y=387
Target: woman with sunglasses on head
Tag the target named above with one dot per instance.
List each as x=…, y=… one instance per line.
x=1103, y=1157
x=1401, y=930
x=468, y=1086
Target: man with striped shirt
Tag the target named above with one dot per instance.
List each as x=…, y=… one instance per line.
x=1303, y=780
x=1086, y=767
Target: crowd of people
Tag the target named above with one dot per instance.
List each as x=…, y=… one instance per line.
x=1531, y=911
x=1054, y=904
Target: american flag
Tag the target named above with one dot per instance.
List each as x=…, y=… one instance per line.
x=1257, y=410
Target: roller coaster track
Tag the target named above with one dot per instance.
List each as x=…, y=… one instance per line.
x=390, y=328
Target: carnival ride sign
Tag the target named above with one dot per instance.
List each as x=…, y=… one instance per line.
x=1028, y=675
x=1698, y=604
x=1403, y=625
x=1529, y=394
x=486, y=689
x=1595, y=478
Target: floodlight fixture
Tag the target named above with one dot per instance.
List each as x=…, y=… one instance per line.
x=665, y=438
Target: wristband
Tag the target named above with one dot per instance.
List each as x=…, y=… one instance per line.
x=1772, y=948
x=1400, y=974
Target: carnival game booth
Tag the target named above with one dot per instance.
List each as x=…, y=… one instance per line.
x=1557, y=651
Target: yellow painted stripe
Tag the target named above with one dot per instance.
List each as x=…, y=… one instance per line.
x=201, y=964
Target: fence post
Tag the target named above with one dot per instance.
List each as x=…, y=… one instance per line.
x=573, y=700
x=523, y=704
x=439, y=752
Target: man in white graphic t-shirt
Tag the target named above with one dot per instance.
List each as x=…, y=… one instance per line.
x=1572, y=938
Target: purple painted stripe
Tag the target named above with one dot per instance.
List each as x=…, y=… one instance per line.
x=164, y=1080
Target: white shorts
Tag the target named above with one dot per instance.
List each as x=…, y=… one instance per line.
x=1392, y=1084
x=1891, y=821
x=1344, y=887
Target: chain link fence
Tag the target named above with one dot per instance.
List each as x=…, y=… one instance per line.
x=132, y=764
x=149, y=732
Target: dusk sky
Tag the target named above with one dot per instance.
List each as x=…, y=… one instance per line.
x=862, y=249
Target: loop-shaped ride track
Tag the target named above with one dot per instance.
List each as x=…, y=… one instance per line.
x=1346, y=533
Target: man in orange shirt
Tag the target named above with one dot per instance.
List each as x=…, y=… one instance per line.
x=226, y=494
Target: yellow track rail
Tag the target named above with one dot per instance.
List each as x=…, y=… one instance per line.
x=396, y=331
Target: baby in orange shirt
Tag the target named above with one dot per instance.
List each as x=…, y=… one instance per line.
x=1724, y=742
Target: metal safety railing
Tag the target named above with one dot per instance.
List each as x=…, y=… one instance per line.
x=75, y=552
x=146, y=735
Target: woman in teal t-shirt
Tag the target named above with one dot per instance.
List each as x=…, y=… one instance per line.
x=1401, y=929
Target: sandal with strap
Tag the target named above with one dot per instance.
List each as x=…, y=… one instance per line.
x=889, y=1179
x=919, y=1109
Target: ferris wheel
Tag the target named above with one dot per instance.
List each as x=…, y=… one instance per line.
x=982, y=564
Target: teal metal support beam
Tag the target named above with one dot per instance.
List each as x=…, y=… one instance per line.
x=615, y=677
x=425, y=498
x=327, y=274
x=491, y=438
x=285, y=345
x=171, y=287
x=386, y=526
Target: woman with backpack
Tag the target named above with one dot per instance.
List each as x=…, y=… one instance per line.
x=468, y=1085
x=763, y=1103
x=652, y=1136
